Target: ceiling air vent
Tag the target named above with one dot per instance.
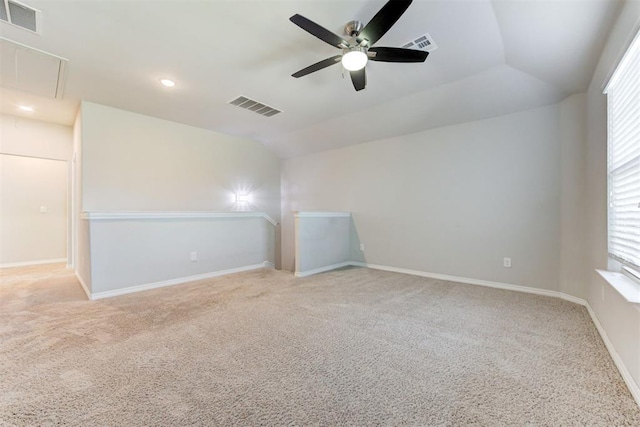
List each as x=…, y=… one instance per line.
x=424, y=42
x=255, y=106
x=20, y=15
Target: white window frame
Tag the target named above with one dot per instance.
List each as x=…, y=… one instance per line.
x=627, y=107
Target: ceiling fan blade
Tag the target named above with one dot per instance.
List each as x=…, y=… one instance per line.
x=318, y=31
x=397, y=54
x=383, y=21
x=318, y=66
x=359, y=79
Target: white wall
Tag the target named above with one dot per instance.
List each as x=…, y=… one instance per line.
x=34, y=138
x=35, y=173
x=29, y=185
x=619, y=318
x=453, y=200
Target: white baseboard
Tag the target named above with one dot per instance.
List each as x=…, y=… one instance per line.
x=624, y=372
x=634, y=389
x=573, y=299
x=465, y=280
x=172, y=282
x=323, y=269
x=83, y=284
x=448, y=278
x=29, y=263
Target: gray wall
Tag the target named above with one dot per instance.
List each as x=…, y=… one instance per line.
x=573, y=220
x=132, y=162
x=134, y=252
x=322, y=241
x=80, y=235
x=454, y=200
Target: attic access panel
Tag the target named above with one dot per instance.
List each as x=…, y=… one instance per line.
x=30, y=70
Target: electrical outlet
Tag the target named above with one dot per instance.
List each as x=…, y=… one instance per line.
x=44, y=209
x=506, y=262
x=194, y=256
x=362, y=247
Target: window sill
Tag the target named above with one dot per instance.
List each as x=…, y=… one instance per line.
x=627, y=287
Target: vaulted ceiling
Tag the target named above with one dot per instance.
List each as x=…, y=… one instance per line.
x=493, y=58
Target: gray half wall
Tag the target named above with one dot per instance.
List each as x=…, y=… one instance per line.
x=322, y=241
x=135, y=251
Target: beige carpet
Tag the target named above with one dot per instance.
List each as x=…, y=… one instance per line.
x=351, y=347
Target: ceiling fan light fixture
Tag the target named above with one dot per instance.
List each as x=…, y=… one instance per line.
x=167, y=82
x=355, y=59
x=362, y=39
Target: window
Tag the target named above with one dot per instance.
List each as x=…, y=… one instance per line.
x=623, y=110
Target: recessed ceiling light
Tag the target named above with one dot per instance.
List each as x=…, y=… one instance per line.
x=26, y=108
x=167, y=82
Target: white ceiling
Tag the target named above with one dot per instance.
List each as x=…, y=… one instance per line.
x=493, y=58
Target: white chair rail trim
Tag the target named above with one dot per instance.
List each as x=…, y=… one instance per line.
x=173, y=215
x=308, y=214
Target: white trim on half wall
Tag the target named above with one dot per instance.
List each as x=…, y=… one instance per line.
x=174, y=215
x=309, y=214
x=172, y=282
x=85, y=288
x=322, y=269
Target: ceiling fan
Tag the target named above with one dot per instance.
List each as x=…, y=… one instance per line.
x=359, y=49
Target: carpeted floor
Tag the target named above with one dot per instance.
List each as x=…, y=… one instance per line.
x=350, y=347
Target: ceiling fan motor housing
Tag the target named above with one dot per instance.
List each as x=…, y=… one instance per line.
x=353, y=28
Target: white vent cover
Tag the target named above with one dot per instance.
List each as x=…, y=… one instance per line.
x=424, y=42
x=20, y=15
x=255, y=106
